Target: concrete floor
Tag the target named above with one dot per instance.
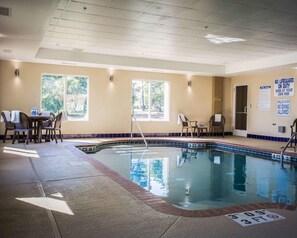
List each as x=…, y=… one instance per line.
x=48, y=191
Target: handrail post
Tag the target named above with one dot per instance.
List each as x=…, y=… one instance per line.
x=287, y=145
x=131, y=126
x=138, y=126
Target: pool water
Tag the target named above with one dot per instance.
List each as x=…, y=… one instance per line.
x=202, y=178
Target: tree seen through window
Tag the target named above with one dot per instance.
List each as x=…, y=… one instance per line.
x=150, y=100
x=69, y=93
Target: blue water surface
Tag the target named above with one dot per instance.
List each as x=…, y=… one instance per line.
x=202, y=178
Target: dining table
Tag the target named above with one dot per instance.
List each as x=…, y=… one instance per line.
x=37, y=123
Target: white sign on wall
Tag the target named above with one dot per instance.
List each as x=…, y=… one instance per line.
x=283, y=107
x=284, y=87
x=264, y=98
x=254, y=217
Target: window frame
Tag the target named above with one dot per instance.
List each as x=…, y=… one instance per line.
x=64, y=76
x=166, y=100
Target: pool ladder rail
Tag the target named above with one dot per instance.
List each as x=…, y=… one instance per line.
x=133, y=118
x=289, y=145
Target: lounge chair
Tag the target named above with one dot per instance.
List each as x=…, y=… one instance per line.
x=187, y=124
x=217, y=123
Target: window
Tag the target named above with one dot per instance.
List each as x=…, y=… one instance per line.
x=65, y=93
x=150, y=100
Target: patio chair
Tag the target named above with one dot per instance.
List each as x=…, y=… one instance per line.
x=45, y=123
x=50, y=121
x=50, y=130
x=9, y=126
x=24, y=126
x=187, y=124
x=217, y=123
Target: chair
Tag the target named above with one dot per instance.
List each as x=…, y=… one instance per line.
x=45, y=123
x=9, y=126
x=50, y=121
x=56, y=126
x=187, y=124
x=217, y=122
x=293, y=131
x=24, y=126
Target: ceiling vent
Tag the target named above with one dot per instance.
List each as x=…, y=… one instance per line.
x=4, y=11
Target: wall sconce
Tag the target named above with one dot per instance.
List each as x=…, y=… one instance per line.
x=17, y=72
x=190, y=83
x=111, y=78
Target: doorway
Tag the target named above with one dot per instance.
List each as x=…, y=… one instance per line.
x=240, y=108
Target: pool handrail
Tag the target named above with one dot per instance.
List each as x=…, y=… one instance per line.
x=294, y=136
x=139, y=128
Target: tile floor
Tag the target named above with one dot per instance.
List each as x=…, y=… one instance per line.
x=49, y=191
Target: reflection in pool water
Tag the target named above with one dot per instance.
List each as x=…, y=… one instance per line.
x=201, y=179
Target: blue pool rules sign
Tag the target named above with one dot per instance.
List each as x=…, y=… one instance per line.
x=284, y=87
x=250, y=218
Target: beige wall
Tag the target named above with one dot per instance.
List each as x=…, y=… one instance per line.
x=227, y=104
x=109, y=102
x=261, y=122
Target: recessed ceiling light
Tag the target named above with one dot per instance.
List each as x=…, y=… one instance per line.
x=222, y=39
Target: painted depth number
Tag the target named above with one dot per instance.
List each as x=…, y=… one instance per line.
x=254, y=217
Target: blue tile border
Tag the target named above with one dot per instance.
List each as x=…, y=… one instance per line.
x=238, y=149
x=170, y=134
x=128, y=135
x=272, y=138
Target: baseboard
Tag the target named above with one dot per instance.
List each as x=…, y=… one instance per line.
x=125, y=135
x=272, y=138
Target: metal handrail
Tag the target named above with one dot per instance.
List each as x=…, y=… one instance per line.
x=294, y=136
x=139, y=128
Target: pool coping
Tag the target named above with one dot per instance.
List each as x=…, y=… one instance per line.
x=161, y=205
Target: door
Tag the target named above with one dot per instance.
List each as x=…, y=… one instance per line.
x=240, y=109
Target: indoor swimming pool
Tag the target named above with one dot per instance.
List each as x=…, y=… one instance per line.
x=202, y=178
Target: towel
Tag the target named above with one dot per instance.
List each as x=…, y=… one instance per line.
x=15, y=116
x=7, y=115
x=218, y=117
x=180, y=118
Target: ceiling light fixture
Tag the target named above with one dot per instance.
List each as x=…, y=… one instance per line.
x=222, y=39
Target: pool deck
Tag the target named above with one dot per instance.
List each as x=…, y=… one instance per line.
x=47, y=190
